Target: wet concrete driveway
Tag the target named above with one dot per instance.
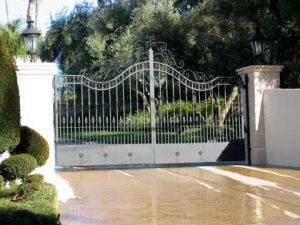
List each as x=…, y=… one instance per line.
x=224, y=195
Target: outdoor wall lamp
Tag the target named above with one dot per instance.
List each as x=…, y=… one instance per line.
x=258, y=42
x=31, y=37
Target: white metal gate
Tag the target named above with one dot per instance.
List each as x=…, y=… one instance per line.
x=153, y=112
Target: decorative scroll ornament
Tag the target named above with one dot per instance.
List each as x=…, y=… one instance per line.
x=140, y=53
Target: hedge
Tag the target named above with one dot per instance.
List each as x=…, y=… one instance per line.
x=9, y=101
x=34, y=144
x=31, y=185
x=18, y=166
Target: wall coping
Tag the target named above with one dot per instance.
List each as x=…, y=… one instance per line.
x=36, y=69
x=259, y=68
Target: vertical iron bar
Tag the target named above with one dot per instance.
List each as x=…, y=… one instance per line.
x=174, y=115
x=167, y=102
x=130, y=109
x=219, y=131
x=200, y=118
x=96, y=120
x=145, y=134
x=160, y=134
x=117, y=113
x=206, y=116
x=103, y=138
x=212, y=115
x=152, y=101
x=89, y=120
x=74, y=113
x=124, y=115
x=56, y=98
x=194, y=101
x=225, y=119
x=180, y=114
x=82, y=119
x=67, y=112
x=187, y=137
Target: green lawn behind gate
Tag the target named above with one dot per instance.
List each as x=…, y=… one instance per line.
x=182, y=135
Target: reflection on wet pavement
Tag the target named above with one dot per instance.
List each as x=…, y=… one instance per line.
x=225, y=195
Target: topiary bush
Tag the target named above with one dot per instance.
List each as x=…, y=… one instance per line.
x=9, y=101
x=18, y=166
x=31, y=185
x=34, y=178
x=34, y=144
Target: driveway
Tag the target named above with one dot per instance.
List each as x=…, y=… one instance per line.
x=208, y=195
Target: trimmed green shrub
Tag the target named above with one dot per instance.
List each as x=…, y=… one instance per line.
x=34, y=144
x=18, y=166
x=1, y=182
x=28, y=189
x=34, y=178
x=31, y=185
x=9, y=101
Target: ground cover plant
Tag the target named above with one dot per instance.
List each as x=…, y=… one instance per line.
x=38, y=209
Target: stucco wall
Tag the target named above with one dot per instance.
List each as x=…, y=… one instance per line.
x=35, y=81
x=282, y=127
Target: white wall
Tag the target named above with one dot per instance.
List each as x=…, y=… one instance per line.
x=35, y=81
x=282, y=127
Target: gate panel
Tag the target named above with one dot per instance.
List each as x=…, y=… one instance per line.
x=152, y=112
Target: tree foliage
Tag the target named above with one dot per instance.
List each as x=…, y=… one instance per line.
x=9, y=101
x=11, y=33
x=211, y=36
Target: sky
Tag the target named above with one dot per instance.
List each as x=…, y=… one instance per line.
x=18, y=8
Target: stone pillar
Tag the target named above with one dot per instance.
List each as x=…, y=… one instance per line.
x=35, y=82
x=260, y=77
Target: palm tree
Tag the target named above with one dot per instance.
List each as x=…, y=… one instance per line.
x=7, y=14
x=37, y=4
x=30, y=10
x=11, y=33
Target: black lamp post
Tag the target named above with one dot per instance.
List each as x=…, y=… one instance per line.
x=258, y=42
x=31, y=37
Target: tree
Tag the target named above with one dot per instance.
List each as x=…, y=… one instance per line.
x=66, y=40
x=11, y=33
x=30, y=11
x=211, y=36
x=7, y=12
x=37, y=6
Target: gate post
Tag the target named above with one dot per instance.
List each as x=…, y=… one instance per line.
x=257, y=78
x=152, y=101
x=35, y=81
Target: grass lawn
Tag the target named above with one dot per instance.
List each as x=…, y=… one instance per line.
x=184, y=135
x=39, y=209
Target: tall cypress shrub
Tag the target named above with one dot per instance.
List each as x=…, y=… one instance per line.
x=9, y=101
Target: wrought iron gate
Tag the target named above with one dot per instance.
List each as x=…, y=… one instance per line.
x=153, y=112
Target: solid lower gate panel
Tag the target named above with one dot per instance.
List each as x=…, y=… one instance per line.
x=110, y=155
x=104, y=155
x=188, y=153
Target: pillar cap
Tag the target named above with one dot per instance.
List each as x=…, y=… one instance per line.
x=36, y=69
x=259, y=68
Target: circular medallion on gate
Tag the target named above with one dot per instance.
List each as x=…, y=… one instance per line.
x=177, y=153
x=80, y=155
x=105, y=155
